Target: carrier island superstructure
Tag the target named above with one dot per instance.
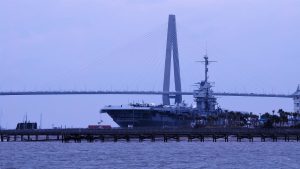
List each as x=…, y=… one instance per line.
x=167, y=115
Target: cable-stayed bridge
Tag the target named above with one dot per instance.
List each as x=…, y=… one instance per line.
x=171, y=53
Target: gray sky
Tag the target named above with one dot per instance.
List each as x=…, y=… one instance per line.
x=99, y=45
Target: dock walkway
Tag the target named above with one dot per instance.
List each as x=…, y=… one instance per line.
x=151, y=134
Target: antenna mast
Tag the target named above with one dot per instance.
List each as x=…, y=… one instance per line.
x=206, y=62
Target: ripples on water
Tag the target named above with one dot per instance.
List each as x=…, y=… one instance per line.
x=150, y=155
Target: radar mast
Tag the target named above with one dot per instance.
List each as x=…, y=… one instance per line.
x=206, y=63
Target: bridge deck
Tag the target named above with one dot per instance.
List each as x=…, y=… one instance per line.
x=14, y=93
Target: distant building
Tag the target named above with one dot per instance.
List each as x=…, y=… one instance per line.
x=26, y=126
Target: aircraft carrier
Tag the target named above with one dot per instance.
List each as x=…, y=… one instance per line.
x=167, y=115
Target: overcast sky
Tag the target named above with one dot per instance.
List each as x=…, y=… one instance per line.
x=120, y=45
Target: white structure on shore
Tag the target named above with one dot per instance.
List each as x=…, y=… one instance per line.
x=297, y=100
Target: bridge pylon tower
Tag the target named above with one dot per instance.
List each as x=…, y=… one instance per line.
x=172, y=49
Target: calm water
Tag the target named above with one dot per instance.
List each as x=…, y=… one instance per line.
x=150, y=155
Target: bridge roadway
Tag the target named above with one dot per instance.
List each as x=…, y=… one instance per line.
x=102, y=92
x=151, y=134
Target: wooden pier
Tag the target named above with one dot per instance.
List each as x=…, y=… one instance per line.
x=151, y=134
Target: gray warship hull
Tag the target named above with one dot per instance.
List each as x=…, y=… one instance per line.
x=149, y=117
